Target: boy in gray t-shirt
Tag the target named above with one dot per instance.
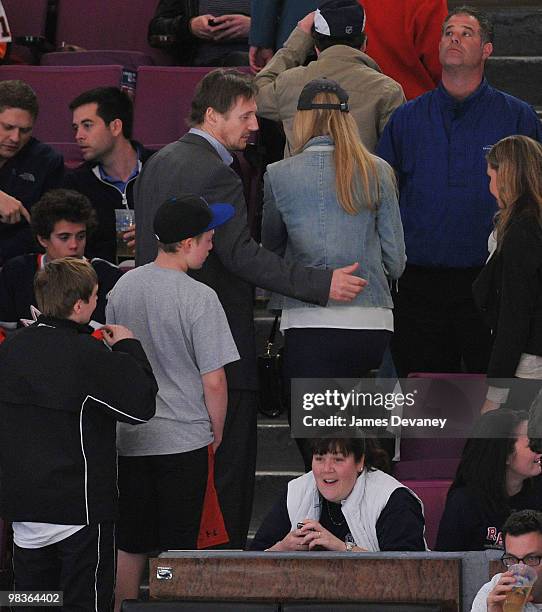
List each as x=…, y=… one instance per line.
x=184, y=331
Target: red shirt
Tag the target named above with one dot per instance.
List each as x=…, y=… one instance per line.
x=403, y=38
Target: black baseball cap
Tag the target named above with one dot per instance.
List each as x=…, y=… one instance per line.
x=317, y=86
x=188, y=215
x=340, y=18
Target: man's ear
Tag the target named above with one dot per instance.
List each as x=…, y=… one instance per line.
x=115, y=127
x=211, y=116
x=43, y=241
x=77, y=307
x=487, y=50
x=186, y=244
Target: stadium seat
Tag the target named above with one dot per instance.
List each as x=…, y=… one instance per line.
x=103, y=24
x=26, y=17
x=130, y=60
x=430, y=458
x=169, y=89
x=27, y=20
x=433, y=495
x=56, y=87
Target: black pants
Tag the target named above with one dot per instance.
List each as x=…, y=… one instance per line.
x=437, y=325
x=161, y=501
x=82, y=566
x=329, y=353
x=235, y=465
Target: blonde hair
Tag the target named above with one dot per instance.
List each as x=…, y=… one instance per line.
x=61, y=283
x=353, y=162
x=517, y=160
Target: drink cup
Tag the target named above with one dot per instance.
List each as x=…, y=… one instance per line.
x=124, y=218
x=525, y=578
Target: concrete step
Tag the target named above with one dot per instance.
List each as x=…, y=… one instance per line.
x=276, y=449
x=269, y=487
x=517, y=30
x=519, y=76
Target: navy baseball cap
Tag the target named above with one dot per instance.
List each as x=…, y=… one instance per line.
x=316, y=86
x=340, y=18
x=188, y=215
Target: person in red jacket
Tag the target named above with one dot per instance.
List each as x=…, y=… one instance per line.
x=403, y=38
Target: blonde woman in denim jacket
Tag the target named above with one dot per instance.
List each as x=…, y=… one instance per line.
x=330, y=204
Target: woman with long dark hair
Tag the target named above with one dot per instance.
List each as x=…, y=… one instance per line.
x=497, y=475
x=508, y=291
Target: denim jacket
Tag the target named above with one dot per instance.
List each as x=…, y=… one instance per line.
x=304, y=222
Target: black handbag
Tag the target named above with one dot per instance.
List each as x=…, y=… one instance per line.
x=270, y=378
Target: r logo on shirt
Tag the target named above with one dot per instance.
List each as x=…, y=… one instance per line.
x=494, y=537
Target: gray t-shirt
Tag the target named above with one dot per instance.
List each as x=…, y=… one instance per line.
x=185, y=334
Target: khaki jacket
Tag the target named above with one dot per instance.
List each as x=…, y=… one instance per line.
x=373, y=95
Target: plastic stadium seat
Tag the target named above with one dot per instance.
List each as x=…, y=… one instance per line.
x=108, y=24
x=56, y=87
x=430, y=458
x=131, y=60
x=171, y=90
x=433, y=495
x=27, y=19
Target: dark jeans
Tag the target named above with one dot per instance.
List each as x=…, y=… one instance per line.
x=437, y=325
x=329, y=353
x=82, y=566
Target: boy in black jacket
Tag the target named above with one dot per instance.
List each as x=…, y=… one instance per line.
x=61, y=394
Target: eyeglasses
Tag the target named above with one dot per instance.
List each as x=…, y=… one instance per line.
x=531, y=560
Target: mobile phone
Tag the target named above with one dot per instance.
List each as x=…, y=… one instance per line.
x=212, y=23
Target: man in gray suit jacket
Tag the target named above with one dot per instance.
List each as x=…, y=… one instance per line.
x=223, y=117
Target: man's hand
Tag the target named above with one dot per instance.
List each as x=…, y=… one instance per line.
x=497, y=597
x=114, y=333
x=130, y=237
x=230, y=27
x=306, y=23
x=199, y=26
x=11, y=210
x=488, y=406
x=258, y=57
x=344, y=285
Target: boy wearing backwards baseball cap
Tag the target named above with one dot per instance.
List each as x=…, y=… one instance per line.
x=183, y=328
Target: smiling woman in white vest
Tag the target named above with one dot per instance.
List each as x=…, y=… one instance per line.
x=345, y=503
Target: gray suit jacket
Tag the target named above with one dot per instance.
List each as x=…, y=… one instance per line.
x=237, y=262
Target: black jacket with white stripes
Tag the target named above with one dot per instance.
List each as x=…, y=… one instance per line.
x=61, y=394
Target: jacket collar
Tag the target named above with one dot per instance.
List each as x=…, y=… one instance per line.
x=450, y=102
x=322, y=143
x=80, y=328
x=195, y=139
x=345, y=53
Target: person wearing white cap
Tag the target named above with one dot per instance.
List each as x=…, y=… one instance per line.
x=337, y=31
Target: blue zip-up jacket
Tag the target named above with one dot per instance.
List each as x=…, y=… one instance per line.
x=437, y=145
